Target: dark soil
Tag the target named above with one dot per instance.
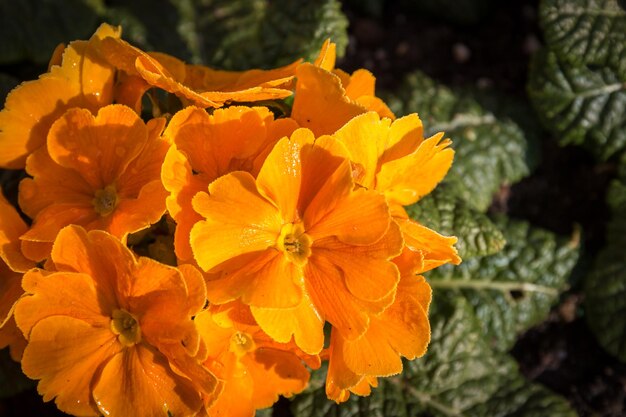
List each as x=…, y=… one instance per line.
x=565, y=194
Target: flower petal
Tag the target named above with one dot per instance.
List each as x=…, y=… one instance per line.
x=404, y=181
x=65, y=353
x=238, y=220
x=322, y=113
x=99, y=148
x=11, y=228
x=139, y=381
x=302, y=322
x=435, y=248
x=368, y=273
x=280, y=177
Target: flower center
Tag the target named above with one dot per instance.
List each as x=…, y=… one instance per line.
x=241, y=343
x=127, y=328
x=294, y=243
x=105, y=200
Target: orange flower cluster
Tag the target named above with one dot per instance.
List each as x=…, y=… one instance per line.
x=284, y=231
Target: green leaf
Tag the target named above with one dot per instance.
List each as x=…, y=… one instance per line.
x=605, y=286
x=515, y=288
x=579, y=104
x=490, y=151
x=245, y=34
x=449, y=215
x=31, y=29
x=591, y=32
x=459, y=376
x=12, y=380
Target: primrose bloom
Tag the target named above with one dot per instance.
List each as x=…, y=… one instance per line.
x=101, y=172
x=112, y=334
x=193, y=84
x=12, y=265
x=345, y=96
x=299, y=243
x=81, y=79
x=402, y=330
x=252, y=368
x=206, y=147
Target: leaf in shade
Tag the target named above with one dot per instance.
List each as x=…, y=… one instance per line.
x=459, y=376
x=591, y=32
x=490, y=151
x=244, y=34
x=605, y=286
x=579, y=104
x=513, y=289
x=449, y=215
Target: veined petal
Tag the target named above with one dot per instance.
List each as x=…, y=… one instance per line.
x=54, y=185
x=358, y=219
x=365, y=138
x=263, y=279
x=280, y=177
x=65, y=353
x=139, y=381
x=99, y=148
x=239, y=220
x=368, y=272
x=302, y=322
x=275, y=372
x=328, y=291
x=11, y=228
x=327, y=56
x=435, y=248
x=65, y=294
x=322, y=113
x=404, y=181
x=362, y=83
x=405, y=135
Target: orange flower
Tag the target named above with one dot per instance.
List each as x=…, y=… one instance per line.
x=327, y=98
x=82, y=80
x=12, y=265
x=299, y=245
x=402, y=330
x=195, y=84
x=111, y=333
x=395, y=159
x=252, y=368
x=209, y=146
x=100, y=172
x=360, y=86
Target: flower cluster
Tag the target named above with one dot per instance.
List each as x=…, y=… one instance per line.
x=273, y=237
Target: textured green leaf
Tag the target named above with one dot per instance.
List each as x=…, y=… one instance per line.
x=459, y=376
x=605, y=286
x=591, y=32
x=579, y=104
x=515, y=288
x=449, y=215
x=490, y=151
x=12, y=380
x=245, y=34
x=31, y=29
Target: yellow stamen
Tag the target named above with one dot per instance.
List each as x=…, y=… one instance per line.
x=241, y=343
x=127, y=328
x=294, y=243
x=105, y=200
